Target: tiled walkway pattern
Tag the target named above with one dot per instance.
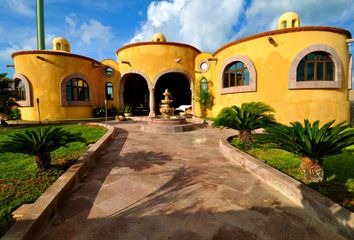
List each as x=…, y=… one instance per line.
x=176, y=187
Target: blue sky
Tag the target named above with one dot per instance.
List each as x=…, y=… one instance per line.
x=97, y=28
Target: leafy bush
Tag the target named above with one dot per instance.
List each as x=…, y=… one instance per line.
x=101, y=111
x=14, y=114
x=311, y=142
x=249, y=116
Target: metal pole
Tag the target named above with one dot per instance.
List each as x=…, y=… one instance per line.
x=39, y=112
x=105, y=103
x=40, y=25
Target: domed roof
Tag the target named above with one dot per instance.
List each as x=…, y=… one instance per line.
x=158, y=37
x=59, y=39
x=289, y=20
x=289, y=15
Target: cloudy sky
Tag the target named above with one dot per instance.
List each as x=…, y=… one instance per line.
x=97, y=28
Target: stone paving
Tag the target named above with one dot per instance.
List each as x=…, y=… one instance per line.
x=176, y=187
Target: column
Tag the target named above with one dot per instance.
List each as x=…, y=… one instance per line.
x=152, y=102
x=192, y=101
x=121, y=100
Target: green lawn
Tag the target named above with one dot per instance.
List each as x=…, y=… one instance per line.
x=20, y=182
x=339, y=170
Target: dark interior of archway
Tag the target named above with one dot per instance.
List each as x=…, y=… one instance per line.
x=178, y=85
x=136, y=94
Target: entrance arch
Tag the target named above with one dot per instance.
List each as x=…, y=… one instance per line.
x=178, y=84
x=135, y=92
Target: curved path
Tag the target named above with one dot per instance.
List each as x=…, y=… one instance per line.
x=176, y=187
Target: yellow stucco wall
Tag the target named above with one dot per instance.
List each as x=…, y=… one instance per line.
x=153, y=59
x=112, y=79
x=272, y=64
x=45, y=76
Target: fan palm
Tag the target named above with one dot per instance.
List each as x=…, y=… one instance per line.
x=7, y=94
x=40, y=142
x=247, y=117
x=311, y=142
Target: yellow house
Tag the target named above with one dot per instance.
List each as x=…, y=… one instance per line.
x=302, y=72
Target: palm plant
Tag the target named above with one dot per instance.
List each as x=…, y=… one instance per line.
x=7, y=94
x=40, y=142
x=311, y=142
x=248, y=117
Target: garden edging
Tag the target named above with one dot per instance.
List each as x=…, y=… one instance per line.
x=323, y=209
x=31, y=219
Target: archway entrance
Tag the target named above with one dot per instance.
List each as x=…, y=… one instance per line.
x=179, y=87
x=136, y=94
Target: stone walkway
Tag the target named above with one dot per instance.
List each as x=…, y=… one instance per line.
x=176, y=187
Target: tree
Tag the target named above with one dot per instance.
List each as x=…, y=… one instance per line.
x=7, y=95
x=40, y=142
x=248, y=117
x=311, y=142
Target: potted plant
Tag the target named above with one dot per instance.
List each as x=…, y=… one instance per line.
x=128, y=110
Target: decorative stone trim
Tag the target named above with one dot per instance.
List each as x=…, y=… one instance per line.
x=28, y=90
x=293, y=84
x=34, y=218
x=252, y=87
x=331, y=214
x=64, y=101
x=350, y=72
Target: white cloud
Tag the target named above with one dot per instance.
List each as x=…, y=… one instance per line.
x=204, y=24
x=89, y=33
x=210, y=24
x=262, y=15
x=29, y=44
x=22, y=7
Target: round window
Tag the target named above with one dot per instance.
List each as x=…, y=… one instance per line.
x=204, y=66
x=109, y=71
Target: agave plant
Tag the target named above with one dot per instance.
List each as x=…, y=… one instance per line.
x=40, y=142
x=248, y=117
x=311, y=142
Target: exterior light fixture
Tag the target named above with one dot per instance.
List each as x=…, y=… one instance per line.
x=271, y=40
x=178, y=60
x=126, y=62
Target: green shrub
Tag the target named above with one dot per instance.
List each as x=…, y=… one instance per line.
x=14, y=114
x=101, y=111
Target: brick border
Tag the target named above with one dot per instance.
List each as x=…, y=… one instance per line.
x=28, y=90
x=64, y=101
x=33, y=218
x=331, y=214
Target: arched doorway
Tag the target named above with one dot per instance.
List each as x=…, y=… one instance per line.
x=179, y=87
x=136, y=94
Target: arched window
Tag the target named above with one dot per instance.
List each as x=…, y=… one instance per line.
x=236, y=74
x=315, y=66
x=58, y=46
x=109, y=91
x=20, y=90
x=204, y=86
x=77, y=90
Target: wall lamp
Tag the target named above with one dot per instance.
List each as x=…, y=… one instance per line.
x=271, y=40
x=41, y=58
x=349, y=41
x=97, y=65
x=178, y=60
x=126, y=62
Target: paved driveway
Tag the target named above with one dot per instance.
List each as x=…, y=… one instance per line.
x=176, y=186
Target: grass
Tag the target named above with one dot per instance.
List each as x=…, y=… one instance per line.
x=338, y=184
x=20, y=182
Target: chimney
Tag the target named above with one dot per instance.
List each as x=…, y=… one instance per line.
x=40, y=25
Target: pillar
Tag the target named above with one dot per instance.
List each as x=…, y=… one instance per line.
x=152, y=102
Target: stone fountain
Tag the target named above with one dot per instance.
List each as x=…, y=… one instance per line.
x=167, y=123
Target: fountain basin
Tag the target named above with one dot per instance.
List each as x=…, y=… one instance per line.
x=167, y=125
